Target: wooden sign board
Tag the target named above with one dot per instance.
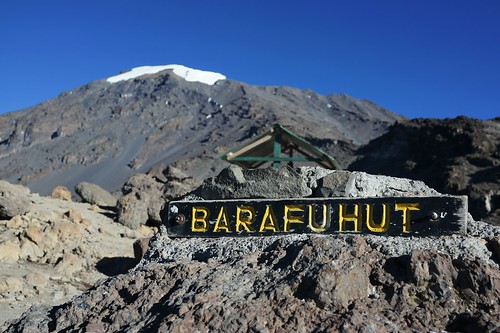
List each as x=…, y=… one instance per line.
x=394, y=216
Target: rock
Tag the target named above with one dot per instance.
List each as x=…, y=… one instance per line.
x=333, y=185
x=37, y=279
x=494, y=246
x=177, y=183
x=133, y=209
x=9, y=251
x=141, y=183
x=95, y=195
x=30, y=251
x=11, y=284
x=454, y=155
x=74, y=216
x=13, y=200
x=141, y=247
x=70, y=264
x=234, y=182
x=173, y=173
x=360, y=184
x=16, y=222
x=142, y=202
x=62, y=193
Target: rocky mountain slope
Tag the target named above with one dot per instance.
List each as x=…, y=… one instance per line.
x=458, y=156
x=105, y=131
x=304, y=283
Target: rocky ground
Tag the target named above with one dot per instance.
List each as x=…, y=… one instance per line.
x=350, y=283
x=53, y=249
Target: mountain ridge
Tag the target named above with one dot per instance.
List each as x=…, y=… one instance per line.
x=103, y=132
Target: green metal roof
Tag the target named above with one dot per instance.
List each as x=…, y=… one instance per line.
x=270, y=147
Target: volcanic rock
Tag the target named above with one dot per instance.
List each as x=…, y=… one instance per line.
x=456, y=156
x=234, y=182
x=297, y=282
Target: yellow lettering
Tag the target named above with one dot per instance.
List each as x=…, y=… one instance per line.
x=269, y=220
x=245, y=215
x=289, y=218
x=355, y=217
x=222, y=221
x=386, y=218
x=199, y=221
x=406, y=208
x=312, y=218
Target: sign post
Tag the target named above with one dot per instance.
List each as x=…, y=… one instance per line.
x=392, y=216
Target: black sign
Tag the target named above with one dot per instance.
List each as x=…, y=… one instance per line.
x=411, y=216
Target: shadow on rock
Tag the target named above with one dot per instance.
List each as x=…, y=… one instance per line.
x=116, y=265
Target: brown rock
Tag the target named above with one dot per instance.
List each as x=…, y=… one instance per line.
x=33, y=234
x=334, y=287
x=133, y=209
x=140, y=247
x=142, y=202
x=62, y=193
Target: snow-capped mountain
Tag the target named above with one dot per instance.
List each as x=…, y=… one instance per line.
x=104, y=131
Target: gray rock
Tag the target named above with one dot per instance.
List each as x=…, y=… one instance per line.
x=360, y=184
x=140, y=183
x=141, y=203
x=234, y=182
x=14, y=200
x=95, y=195
x=177, y=183
x=133, y=209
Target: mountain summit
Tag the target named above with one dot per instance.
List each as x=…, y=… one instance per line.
x=188, y=74
x=152, y=116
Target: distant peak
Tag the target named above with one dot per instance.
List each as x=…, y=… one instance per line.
x=188, y=74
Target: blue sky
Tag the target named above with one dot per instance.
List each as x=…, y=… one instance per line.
x=423, y=58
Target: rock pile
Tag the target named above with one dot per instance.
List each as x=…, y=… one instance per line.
x=344, y=282
x=53, y=249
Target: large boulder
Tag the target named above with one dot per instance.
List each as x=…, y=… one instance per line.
x=360, y=184
x=234, y=182
x=141, y=202
x=95, y=195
